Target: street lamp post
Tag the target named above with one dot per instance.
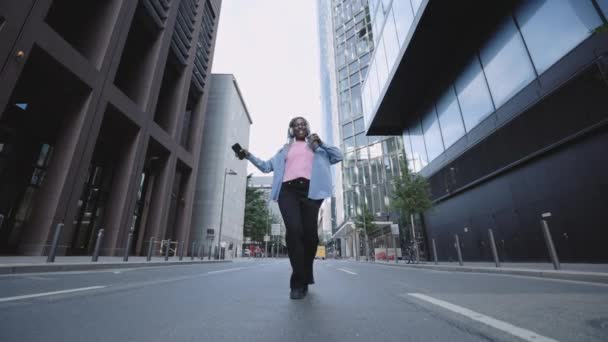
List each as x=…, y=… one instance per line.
x=219, y=236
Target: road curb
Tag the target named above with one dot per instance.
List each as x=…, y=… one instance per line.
x=43, y=268
x=594, y=277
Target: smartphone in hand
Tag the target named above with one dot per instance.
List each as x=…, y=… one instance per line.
x=239, y=151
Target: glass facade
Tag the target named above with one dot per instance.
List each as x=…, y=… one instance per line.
x=370, y=163
x=391, y=22
x=522, y=48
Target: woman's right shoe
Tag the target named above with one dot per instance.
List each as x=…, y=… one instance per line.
x=297, y=293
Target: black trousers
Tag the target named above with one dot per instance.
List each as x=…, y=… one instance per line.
x=300, y=216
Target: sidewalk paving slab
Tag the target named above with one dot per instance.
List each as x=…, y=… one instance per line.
x=37, y=264
x=597, y=273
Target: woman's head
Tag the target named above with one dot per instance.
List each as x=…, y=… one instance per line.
x=298, y=128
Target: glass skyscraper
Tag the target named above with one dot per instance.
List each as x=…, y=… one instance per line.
x=370, y=162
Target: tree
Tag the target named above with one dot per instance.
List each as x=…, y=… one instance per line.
x=364, y=223
x=257, y=216
x=411, y=196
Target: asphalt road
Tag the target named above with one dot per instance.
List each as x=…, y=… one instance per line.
x=249, y=301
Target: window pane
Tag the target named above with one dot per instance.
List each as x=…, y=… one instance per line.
x=403, y=19
x=564, y=23
x=364, y=59
x=407, y=145
x=418, y=148
x=452, y=127
x=361, y=140
x=359, y=125
x=432, y=134
x=356, y=100
x=343, y=73
x=349, y=143
x=347, y=130
x=365, y=98
x=473, y=95
x=391, y=44
x=506, y=63
x=380, y=61
x=375, y=150
x=361, y=154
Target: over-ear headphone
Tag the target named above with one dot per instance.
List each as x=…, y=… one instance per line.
x=292, y=122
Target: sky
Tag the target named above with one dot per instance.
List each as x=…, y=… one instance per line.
x=272, y=48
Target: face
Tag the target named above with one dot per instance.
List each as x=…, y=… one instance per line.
x=300, y=130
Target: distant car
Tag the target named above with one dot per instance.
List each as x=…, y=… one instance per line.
x=246, y=253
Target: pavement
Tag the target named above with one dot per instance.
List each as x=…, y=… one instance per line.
x=248, y=301
x=33, y=264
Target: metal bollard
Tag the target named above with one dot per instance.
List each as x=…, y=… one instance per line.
x=97, y=246
x=125, y=257
x=209, y=254
x=181, y=250
x=435, y=252
x=168, y=249
x=494, y=250
x=192, y=250
x=58, y=229
x=458, y=249
x=150, y=248
x=549, y=242
x=199, y=254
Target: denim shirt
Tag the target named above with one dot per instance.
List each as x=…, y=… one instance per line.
x=320, y=179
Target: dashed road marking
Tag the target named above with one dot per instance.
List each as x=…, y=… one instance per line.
x=225, y=271
x=346, y=271
x=43, y=294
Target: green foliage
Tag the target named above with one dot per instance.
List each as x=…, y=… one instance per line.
x=363, y=221
x=411, y=194
x=601, y=29
x=257, y=216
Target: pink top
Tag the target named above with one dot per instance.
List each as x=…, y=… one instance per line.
x=299, y=161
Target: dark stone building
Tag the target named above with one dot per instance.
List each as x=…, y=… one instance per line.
x=101, y=120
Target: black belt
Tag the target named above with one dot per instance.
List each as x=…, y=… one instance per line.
x=298, y=182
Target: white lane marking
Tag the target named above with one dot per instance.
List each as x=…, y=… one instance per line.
x=224, y=271
x=347, y=271
x=522, y=333
x=8, y=299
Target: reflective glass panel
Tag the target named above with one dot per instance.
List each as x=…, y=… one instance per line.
x=356, y=100
x=407, y=146
x=361, y=139
x=473, y=94
x=375, y=150
x=391, y=44
x=349, y=143
x=347, y=130
x=380, y=61
x=418, y=148
x=551, y=28
x=403, y=19
x=432, y=134
x=359, y=125
x=452, y=127
x=506, y=63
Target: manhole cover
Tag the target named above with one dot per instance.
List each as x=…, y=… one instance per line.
x=599, y=323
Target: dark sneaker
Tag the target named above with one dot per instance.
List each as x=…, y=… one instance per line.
x=297, y=294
